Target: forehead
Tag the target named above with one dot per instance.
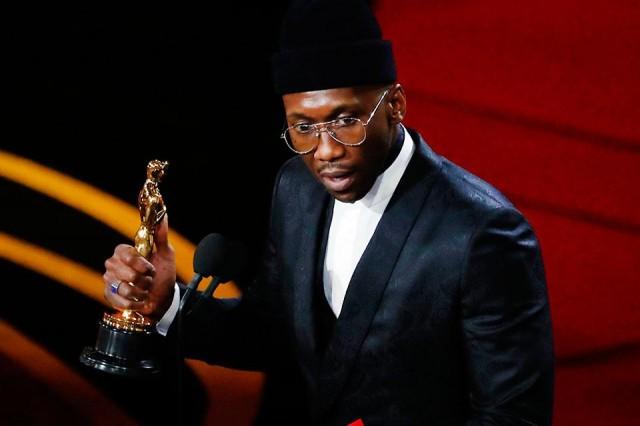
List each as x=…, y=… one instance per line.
x=319, y=101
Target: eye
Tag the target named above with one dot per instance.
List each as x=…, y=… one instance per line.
x=346, y=121
x=303, y=128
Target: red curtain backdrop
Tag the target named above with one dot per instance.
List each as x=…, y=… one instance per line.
x=542, y=100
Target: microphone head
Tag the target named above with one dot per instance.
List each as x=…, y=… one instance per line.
x=235, y=262
x=210, y=255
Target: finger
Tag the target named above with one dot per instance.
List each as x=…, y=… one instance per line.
x=126, y=258
x=123, y=272
x=122, y=303
x=131, y=292
x=129, y=256
x=145, y=282
x=116, y=300
x=125, y=253
x=116, y=286
x=142, y=265
x=113, y=273
x=162, y=235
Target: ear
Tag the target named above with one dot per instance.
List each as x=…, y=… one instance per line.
x=398, y=102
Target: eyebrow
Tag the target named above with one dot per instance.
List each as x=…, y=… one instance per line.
x=332, y=114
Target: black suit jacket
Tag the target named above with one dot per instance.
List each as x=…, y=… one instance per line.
x=445, y=321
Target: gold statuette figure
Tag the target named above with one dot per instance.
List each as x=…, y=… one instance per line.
x=152, y=210
x=151, y=206
x=127, y=340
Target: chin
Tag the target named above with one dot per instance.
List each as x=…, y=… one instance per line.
x=347, y=197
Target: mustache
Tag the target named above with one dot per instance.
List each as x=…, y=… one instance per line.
x=334, y=167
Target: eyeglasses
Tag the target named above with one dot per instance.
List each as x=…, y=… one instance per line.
x=350, y=131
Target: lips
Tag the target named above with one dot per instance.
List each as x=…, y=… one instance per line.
x=337, y=180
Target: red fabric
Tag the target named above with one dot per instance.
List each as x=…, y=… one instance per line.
x=541, y=99
x=356, y=423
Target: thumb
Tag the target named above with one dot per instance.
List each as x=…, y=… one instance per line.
x=162, y=235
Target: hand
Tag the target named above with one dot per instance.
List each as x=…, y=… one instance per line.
x=146, y=286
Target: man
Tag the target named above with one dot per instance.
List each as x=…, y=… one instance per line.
x=395, y=287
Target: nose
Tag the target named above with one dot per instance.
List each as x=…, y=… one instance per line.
x=328, y=149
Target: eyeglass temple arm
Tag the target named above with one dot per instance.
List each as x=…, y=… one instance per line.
x=377, y=106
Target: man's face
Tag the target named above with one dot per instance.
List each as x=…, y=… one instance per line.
x=347, y=172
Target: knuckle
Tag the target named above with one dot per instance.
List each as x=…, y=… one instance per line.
x=146, y=282
x=140, y=282
x=127, y=258
x=130, y=276
x=142, y=265
x=125, y=253
x=124, y=290
x=135, y=292
x=120, y=248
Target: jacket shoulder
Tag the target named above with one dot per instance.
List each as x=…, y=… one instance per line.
x=464, y=199
x=456, y=185
x=470, y=190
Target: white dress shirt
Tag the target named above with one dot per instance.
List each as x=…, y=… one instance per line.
x=352, y=226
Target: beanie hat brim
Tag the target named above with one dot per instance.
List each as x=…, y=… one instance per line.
x=355, y=63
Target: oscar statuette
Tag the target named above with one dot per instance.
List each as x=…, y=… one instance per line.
x=127, y=340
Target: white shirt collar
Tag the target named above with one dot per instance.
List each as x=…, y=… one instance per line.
x=353, y=225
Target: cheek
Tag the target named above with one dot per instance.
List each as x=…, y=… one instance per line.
x=372, y=156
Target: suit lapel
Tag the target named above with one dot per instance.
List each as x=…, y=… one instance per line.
x=308, y=232
x=373, y=271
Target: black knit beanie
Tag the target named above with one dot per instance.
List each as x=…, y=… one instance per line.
x=328, y=44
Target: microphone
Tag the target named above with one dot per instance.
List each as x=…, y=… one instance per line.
x=233, y=267
x=209, y=256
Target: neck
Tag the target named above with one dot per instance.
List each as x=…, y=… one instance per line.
x=396, y=146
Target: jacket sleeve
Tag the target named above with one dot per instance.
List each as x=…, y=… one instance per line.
x=506, y=325
x=244, y=333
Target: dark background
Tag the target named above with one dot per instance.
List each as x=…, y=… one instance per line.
x=97, y=91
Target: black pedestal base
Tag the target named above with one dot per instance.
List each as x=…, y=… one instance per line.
x=125, y=353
